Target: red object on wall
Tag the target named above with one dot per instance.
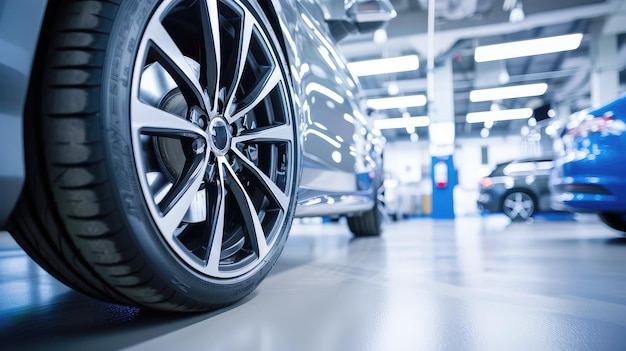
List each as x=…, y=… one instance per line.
x=441, y=174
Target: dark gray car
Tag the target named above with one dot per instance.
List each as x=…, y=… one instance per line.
x=517, y=188
x=154, y=153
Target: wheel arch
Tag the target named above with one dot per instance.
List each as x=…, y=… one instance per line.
x=269, y=9
x=21, y=73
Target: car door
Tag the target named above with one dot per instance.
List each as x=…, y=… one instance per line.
x=335, y=134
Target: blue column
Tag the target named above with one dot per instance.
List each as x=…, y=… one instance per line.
x=443, y=194
x=441, y=134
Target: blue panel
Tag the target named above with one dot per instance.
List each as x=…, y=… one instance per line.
x=443, y=196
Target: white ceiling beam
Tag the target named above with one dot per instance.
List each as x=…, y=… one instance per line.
x=445, y=39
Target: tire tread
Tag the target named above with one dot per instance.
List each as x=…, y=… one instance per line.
x=83, y=244
x=366, y=224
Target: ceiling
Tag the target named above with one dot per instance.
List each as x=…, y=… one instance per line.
x=462, y=25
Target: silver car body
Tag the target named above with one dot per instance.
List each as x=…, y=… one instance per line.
x=20, y=24
x=340, y=154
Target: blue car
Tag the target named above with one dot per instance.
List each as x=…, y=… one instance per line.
x=590, y=174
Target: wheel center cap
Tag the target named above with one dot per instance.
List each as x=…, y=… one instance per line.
x=219, y=136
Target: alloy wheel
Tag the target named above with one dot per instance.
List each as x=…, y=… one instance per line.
x=213, y=138
x=518, y=205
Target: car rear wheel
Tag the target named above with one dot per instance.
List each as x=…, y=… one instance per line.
x=616, y=221
x=163, y=162
x=370, y=223
x=518, y=205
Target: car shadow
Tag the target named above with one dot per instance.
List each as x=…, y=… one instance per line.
x=73, y=320
x=621, y=241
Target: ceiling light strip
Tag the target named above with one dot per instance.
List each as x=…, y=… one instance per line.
x=527, y=47
x=398, y=123
x=385, y=65
x=397, y=102
x=501, y=115
x=510, y=92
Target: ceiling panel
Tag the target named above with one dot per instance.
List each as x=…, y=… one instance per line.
x=456, y=39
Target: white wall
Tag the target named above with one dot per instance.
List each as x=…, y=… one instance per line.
x=406, y=160
x=411, y=162
x=468, y=157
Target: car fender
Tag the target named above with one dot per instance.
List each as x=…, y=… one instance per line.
x=19, y=36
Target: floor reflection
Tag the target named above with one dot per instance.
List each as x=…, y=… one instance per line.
x=471, y=283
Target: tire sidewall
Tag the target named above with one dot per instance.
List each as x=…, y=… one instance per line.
x=152, y=248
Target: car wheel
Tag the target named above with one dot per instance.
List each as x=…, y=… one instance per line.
x=370, y=223
x=518, y=205
x=616, y=221
x=163, y=162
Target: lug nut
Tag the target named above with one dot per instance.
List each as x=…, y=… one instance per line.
x=202, y=121
x=198, y=146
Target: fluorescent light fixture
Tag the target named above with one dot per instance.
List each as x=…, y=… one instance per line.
x=511, y=92
x=385, y=65
x=502, y=115
x=397, y=102
x=405, y=122
x=527, y=47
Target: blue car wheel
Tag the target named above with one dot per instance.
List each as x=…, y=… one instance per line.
x=616, y=221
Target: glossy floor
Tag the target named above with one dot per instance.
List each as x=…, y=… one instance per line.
x=477, y=283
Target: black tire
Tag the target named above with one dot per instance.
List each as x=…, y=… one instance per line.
x=616, y=221
x=519, y=205
x=159, y=173
x=370, y=223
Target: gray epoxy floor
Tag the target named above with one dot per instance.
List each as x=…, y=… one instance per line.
x=476, y=283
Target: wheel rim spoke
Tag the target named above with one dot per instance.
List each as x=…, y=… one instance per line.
x=197, y=211
x=259, y=93
x=210, y=75
x=280, y=133
x=252, y=223
x=148, y=119
x=168, y=54
x=179, y=200
x=247, y=26
x=265, y=182
x=217, y=215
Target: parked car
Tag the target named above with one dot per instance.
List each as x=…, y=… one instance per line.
x=518, y=188
x=590, y=172
x=154, y=153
